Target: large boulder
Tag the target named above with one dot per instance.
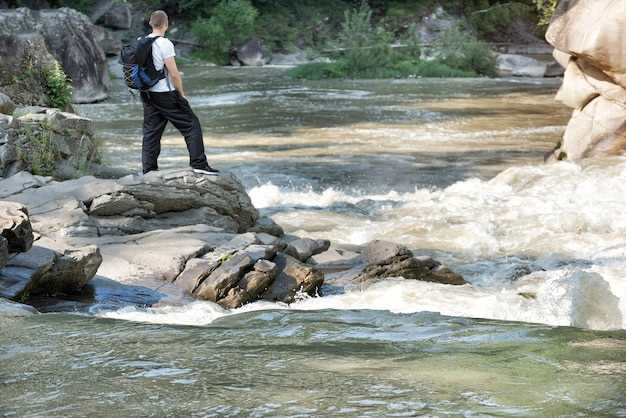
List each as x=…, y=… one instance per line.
x=251, y=53
x=117, y=16
x=520, y=66
x=6, y=104
x=46, y=270
x=388, y=260
x=70, y=36
x=48, y=142
x=588, y=37
x=173, y=198
x=26, y=51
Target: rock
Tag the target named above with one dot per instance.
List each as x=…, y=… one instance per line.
x=6, y=104
x=4, y=252
x=110, y=43
x=335, y=260
x=293, y=278
x=217, y=285
x=118, y=16
x=265, y=224
x=554, y=69
x=253, y=284
x=261, y=252
x=70, y=36
x=15, y=227
x=296, y=58
x=251, y=53
x=387, y=259
x=27, y=51
x=384, y=252
x=302, y=249
x=11, y=309
x=519, y=66
x=595, y=78
x=49, y=142
x=174, y=198
x=196, y=270
x=43, y=271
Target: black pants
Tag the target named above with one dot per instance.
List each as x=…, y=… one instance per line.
x=160, y=108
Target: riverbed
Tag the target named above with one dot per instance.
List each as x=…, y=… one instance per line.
x=450, y=168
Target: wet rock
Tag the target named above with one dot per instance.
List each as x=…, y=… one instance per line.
x=302, y=249
x=251, y=53
x=15, y=227
x=11, y=309
x=224, y=278
x=265, y=224
x=117, y=16
x=196, y=270
x=293, y=278
x=335, y=259
x=258, y=252
x=70, y=36
x=253, y=284
x=6, y=104
x=44, y=271
x=387, y=259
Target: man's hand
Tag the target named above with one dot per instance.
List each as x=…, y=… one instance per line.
x=172, y=69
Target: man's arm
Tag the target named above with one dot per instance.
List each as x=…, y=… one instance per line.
x=172, y=69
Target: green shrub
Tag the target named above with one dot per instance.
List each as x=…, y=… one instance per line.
x=232, y=22
x=433, y=69
x=366, y=46
x=494, y=17
x=461, y=50
x=546, y=9
x=318, y=71
x=59, y=87
x=39, y=150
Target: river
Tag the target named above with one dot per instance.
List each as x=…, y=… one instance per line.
x=450, y=168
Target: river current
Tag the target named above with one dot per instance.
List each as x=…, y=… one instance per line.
x=450, y=168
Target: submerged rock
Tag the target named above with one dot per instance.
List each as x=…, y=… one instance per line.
x=387, y=259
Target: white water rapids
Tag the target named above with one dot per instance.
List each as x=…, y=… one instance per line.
x=565, y=222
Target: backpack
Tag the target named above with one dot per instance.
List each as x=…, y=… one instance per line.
x=138, y=65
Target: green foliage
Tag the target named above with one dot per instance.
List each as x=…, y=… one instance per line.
x=400, y=69
x=546, y=9
x=494, y=17
x=319, y=71
x=366, y=46
x=59, y=87
x=232, y=22
x=461, y=50
x=413, y=42
x=39, y=151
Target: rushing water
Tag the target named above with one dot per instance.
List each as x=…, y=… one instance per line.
x=451, y=168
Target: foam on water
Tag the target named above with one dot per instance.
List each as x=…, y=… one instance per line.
x=566, y=217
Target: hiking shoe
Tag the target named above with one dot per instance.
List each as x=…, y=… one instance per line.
x=208, y=170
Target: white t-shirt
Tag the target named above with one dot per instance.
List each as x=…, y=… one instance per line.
x=162, y=49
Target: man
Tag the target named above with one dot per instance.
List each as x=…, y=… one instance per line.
x=166, y=102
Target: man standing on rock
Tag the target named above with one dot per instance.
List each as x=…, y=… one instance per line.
x=166, y=102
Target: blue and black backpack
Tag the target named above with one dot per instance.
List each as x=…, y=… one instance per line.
x=139, y=70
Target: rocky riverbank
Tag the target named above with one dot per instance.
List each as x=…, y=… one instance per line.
x=173, y=235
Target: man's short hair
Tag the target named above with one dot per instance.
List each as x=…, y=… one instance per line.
x=158, y=19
